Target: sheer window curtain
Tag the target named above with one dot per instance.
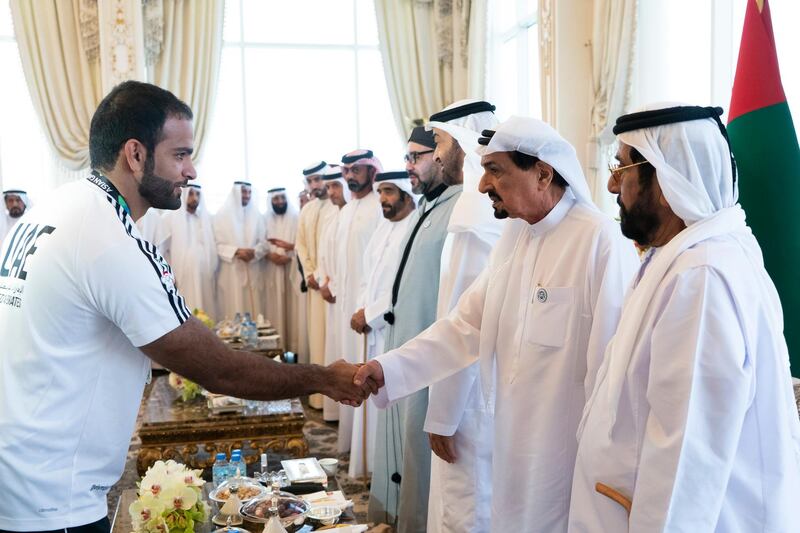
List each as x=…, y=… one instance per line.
x=434, y=53
x=190, y=57
x=60, y=49
x=613, y=61
x=64, y=84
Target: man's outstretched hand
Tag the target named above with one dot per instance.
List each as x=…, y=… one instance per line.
x=341, y=385
x=371, y=371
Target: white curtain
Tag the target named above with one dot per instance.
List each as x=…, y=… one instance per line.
x=613, y=58
x=190, y=57
x=64, y=85
x=434, y=53
x=67, y=49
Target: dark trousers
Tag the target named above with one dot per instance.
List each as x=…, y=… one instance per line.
x=101, y=526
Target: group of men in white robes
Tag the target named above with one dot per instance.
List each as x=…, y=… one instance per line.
x=620, y=395
x=186, y=240
x=15, y=203
x=236, y=261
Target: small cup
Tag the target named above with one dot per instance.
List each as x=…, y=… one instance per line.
x=327, y=515
x=329, y=465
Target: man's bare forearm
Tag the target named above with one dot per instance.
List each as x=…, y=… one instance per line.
x=194, y=352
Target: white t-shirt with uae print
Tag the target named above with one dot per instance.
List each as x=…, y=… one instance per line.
x=80, y=290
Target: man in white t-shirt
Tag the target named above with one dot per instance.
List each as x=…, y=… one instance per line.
x=85, y=300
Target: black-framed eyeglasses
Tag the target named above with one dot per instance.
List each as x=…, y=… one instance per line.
x=411, y=157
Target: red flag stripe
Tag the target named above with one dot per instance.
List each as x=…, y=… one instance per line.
x=758, y=80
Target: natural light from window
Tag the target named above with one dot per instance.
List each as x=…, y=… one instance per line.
x=295, y=88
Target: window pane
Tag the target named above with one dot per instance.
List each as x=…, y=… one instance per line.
x=293, y=120
x=367, y=23
x=23, y=150
x=785, y=14
x=309, y=21
x=6, y=26
x=675, y=69
x=502, y=87
x=223, y=161
x=504, y=14
x=377, y=127
x=534, y=73
x=232, y=31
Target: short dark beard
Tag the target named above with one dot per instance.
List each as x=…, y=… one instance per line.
x=393, y=208
x=16, y=212
x=453, y=164
x=280, y=209
x=498, y=213
x=157, y=191
x=641, y=221
x=355, y=186
x=320, y=193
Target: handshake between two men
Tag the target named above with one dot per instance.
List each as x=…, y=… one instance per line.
x=351, y=384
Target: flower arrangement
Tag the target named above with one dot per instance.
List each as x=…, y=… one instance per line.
x=203, y=317
x=170, y=500
x=189, y=389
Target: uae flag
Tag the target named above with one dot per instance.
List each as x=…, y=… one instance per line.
x=764, y=143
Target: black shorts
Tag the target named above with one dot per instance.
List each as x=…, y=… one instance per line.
x=101, y=526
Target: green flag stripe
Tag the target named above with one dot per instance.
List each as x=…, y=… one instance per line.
x=768, y=158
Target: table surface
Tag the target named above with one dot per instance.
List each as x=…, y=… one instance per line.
x=121, y=522
x=161, y=408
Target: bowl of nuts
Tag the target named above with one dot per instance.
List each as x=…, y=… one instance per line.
x=245, y=489
x=290, y=509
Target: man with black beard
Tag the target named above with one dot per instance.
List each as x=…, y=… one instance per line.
x=380, y=265
x=85, y=301
x=281, y=233
x=309, y=233
x=356, y=223
x=187, y=242
x=412, y=308
x=16, y=201
x=424, y=173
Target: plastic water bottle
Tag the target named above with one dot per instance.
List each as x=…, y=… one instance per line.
x=250, y=334
x=237, y=463
x=219, y=472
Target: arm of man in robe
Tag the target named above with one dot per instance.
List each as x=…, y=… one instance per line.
x=192, y=350
x=700, y=386
x=262, y=245
x=449, y=345
x=303, y=252
x=614, y=264
x=448, y=398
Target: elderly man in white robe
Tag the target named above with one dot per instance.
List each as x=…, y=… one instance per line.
x=241, y=245
x=281, y=227
x=380, y=265
x=326, y=274
x=537, y=319
x=693, y=417
x=309, y=231
x=456, y=419
x=188, y=244
x=16, y=202
x=357, y=223
x=433, y=491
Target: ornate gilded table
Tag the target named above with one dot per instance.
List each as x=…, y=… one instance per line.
x=190, y=434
